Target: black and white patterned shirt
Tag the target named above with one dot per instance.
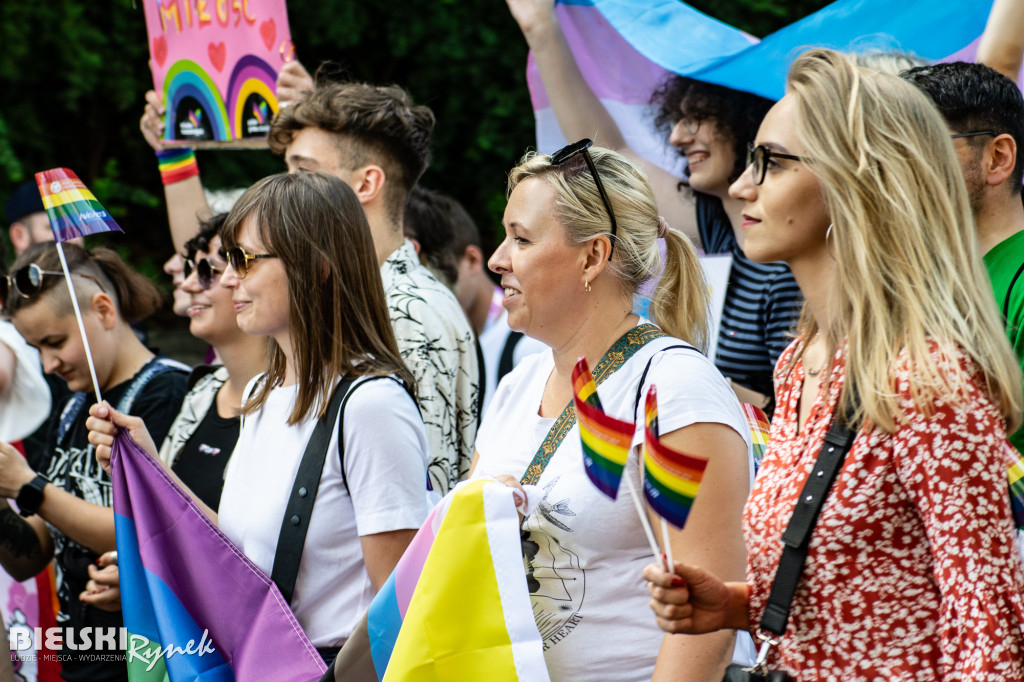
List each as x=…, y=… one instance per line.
x=436, y=342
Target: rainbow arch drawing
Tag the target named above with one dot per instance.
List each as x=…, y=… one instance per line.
x=184, y=79
x=250, y=76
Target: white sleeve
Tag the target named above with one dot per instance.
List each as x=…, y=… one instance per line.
x=690, y=390
x=385, y=457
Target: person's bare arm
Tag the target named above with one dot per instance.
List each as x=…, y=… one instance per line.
x=580, y=113
x=186, y=202
x=381, y=552
x=1002, y=44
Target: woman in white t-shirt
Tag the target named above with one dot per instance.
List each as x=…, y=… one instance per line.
x=303, y=272
x=582, y=233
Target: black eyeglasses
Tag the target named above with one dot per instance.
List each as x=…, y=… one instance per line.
x=204, y=271
x=27, y=281
x=759, y=156
x=581, y=147
x=239, y=260
x=974, y=133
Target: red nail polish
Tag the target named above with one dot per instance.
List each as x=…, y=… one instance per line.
x=678, y=582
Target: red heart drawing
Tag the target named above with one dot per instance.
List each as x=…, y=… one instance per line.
x=268, y=29
x=160, y=50
x=218, y=54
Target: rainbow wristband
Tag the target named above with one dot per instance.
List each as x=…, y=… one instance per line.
x=177, y=164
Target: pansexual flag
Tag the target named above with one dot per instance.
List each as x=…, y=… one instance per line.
x=671, y=478
x=456, y=607
x=606, y=440
x=194, y=606
x=73, y=210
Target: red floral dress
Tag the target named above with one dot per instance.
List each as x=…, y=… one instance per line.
x=913, y=572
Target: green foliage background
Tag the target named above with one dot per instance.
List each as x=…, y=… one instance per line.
x=73, y=75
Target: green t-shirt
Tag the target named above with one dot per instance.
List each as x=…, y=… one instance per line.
x=1003, y=263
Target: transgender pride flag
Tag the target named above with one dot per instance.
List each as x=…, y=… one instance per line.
x=194, y=606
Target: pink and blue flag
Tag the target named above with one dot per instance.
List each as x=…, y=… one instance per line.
x=195, y=608
x=72, y=209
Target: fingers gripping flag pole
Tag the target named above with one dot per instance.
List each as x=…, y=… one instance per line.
x=73, y=212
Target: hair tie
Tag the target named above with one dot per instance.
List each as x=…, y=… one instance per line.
x=662, y=227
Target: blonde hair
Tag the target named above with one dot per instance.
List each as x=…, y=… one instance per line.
x=679, y=304
x=909, y=268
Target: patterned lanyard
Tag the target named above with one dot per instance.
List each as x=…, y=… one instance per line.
x=616, y=356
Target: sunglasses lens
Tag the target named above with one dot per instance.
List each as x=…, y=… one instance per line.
x=236, y=257
x=205, y=273
x=188, y=268
x=28, y=279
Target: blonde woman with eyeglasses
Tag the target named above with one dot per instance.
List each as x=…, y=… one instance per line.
x=911, y=571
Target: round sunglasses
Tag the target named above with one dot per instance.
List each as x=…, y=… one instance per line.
x=204, y=270
x=239, y=260
x=27, y=281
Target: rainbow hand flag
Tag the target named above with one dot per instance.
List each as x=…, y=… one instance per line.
x=671, y=478
x=456, y=607
x=759, y=430
x=1016, y=479
x=194, y=606
x=73, y=210
x=606, y=440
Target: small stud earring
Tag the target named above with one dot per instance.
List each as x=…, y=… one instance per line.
x=586, y=286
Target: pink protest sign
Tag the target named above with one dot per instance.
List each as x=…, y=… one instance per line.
x=215, y=63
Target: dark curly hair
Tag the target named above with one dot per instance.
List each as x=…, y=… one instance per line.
x=736, y=114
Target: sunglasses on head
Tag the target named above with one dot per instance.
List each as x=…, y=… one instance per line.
x=580, y=148
x=27, y=280
x=204, y=271
x=239, y=260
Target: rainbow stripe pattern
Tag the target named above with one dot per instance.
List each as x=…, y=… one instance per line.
x=671, y=478
x=73, y=210
x=759, y=429
x=461, y=555
x=195, y=607
x=1016, y=480
x=606, y=440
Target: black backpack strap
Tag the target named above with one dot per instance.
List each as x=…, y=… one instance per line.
x=505, y=361
x=341, y=421
x=643, y=377
x=797, y=537
x=295, y=524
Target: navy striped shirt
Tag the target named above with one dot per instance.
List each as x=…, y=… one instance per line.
x=761, y=309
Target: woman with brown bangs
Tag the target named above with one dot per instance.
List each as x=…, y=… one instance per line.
x=302, y=272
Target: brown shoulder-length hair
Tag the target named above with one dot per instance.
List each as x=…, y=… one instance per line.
x=337, y=313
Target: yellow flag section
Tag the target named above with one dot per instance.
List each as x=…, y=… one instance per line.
x=470, y=617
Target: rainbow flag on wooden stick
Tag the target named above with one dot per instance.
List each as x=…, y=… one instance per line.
x=759, y=430
x=606, y=440
x=73, y=210
x=671, y=478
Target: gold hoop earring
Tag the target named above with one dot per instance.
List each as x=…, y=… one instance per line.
x=586, y=286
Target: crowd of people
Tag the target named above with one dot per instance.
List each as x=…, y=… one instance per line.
x=874, y=310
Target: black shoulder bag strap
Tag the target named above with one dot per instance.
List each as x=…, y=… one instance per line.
x=1009, y=290
x=297, y=513
x=507, y=353
x=797, y=537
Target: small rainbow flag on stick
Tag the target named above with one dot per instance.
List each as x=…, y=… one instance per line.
x=759, y=429
x=1016, y=478
x=671, y=478
x=606, y=440
x=71, y=207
